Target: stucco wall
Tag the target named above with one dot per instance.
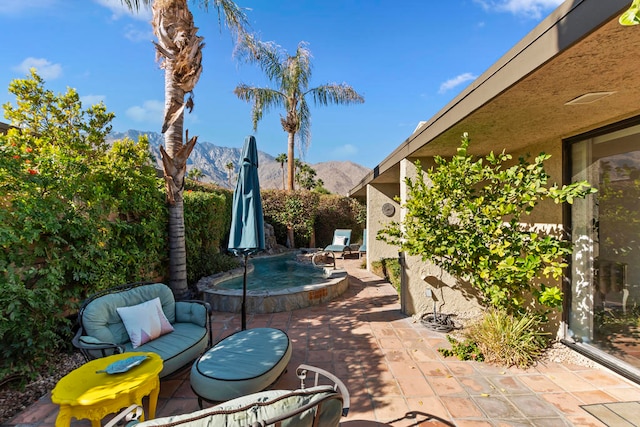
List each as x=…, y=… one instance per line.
x=450, y=295
x=377, y=196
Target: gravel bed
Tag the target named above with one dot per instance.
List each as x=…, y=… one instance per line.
x=14, y=400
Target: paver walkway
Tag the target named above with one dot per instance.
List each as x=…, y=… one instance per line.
x=395, y=375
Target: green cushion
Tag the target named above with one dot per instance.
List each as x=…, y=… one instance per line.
x=243, y=363
x=191, y=312
x=101, y=320
x=178, y=348
x=253, y=408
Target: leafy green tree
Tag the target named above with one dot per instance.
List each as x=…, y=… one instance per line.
x=291, y=209
x=282, y=158
x=320, y=188
x=466, y=216
x=77, y=216
x=306, y=177
x=195, y=174
x=179, y=49
x=291, y=75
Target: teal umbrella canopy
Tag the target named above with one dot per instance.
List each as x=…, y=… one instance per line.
x=247, y=220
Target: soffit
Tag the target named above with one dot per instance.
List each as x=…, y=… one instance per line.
x=534, y=110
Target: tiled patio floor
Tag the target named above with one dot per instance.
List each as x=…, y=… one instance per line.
x=395, y=375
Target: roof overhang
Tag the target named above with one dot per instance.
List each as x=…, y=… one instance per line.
x=524, y=98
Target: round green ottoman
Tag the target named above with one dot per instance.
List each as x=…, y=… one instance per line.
x=243, y=363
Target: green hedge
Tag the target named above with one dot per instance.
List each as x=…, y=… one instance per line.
x=309, y=212
x=336, y=211
x=389, y=268
x=207, y=218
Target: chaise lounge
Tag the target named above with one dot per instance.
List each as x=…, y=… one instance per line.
x=341, y=242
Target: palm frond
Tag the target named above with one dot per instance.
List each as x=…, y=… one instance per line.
x=267, y=55
x=134, y=5
x=304, y=131
x=229, y=14
x=263, y=100
x=300, y=66
x=334, y=93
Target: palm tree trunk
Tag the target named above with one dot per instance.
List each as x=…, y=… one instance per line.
x=312, y=239
x=174, y=175
x=290, y=172
x=290, y=161
x=177, y=252
x=179, y=48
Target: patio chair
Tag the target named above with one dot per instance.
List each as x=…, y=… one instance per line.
x=322, y=405
x=341, y=242
x=362, y=250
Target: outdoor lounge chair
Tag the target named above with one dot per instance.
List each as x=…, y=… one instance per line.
x=341, y=242
x=362, y=250
x=322, y=405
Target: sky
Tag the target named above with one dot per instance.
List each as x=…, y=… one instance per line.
x=407, y=58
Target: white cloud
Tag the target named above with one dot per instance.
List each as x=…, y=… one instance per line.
x=136, y=35
x=151, y=111
x=89, y=100
x=15, y=7
x=456, y=81
x=533, y=9
x=45, y=69
x=345, y=151
x=119, y=9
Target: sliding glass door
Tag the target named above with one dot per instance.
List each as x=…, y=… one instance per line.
x=605, y=229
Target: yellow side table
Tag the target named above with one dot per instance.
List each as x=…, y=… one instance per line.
x=85, y=393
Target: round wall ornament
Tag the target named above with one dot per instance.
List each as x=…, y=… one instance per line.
x=388, y=209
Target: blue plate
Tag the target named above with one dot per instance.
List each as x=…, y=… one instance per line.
x=123, y=365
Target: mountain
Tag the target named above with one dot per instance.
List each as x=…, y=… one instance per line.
x=338, y=177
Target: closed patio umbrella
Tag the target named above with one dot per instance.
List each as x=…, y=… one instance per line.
x=247, y=221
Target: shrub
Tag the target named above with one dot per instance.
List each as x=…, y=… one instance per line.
x=389, y=268
x=338, y=212
x=76, y=216
x=284, y=209
x=465, y=349
x=508, y=340
x=29, y=328
x=207, y=218
x=466, y=216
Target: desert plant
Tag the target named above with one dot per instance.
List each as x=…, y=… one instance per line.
x=508, y=340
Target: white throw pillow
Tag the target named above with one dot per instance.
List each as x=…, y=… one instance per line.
x=144, y=322
x=339, y=240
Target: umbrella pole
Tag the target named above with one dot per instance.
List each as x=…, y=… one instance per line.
x=244, y=295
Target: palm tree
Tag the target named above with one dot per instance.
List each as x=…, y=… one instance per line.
x=291, y=75
x=306, y=176
x=230, y=169
x=195, y=174
x=281, y=158
x=179, y=51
